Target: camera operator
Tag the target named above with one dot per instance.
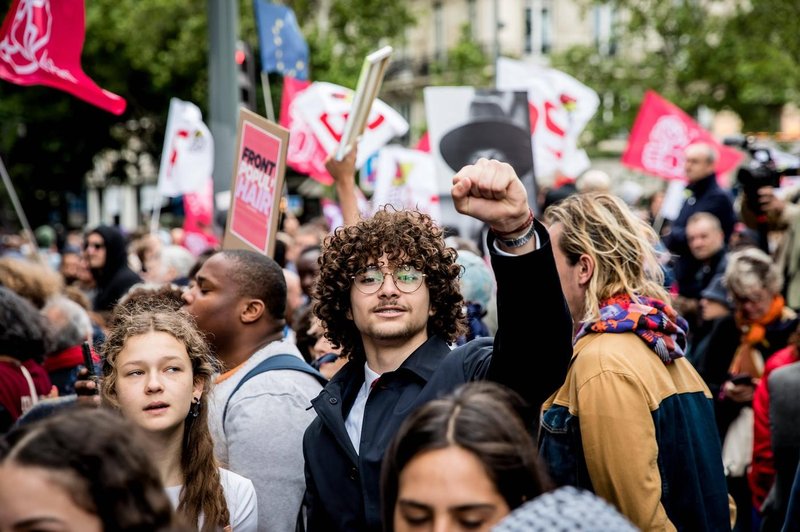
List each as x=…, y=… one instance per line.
x=782, y=213
x=767, y=209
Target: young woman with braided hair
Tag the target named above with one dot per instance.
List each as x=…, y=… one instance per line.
x=157, y=372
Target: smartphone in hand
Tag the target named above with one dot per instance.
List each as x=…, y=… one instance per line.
x=87, y=359
x=742, y=379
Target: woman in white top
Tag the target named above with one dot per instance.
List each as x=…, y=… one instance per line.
x=157, y=371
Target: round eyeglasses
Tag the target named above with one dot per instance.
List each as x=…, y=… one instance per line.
x=406, y=278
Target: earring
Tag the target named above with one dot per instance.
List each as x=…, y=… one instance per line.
x=195, y=409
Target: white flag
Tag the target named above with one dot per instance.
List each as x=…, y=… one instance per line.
x=560, y=107
x=325, y=107
x=187, y=161
x=404, y=179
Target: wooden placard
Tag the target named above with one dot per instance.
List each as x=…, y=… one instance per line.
x=369, y=83
x=257, y=184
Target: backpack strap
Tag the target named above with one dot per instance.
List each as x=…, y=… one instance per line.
x=274, y=362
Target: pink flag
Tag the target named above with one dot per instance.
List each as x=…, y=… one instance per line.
x=291, y=88
x=198, y=208
x=661, y=133
x=304, y=154
x=41, y=44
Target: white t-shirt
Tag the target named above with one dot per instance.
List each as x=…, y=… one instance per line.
x=240, y=496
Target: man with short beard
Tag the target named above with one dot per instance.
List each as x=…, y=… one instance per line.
x=238, y=298
x=388, y=295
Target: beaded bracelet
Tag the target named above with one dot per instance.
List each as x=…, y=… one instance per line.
x=501, y=234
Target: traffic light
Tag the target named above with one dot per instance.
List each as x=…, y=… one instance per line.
x=246, y=75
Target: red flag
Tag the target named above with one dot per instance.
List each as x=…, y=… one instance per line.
x=424, y=143
x=661, y=133
x=41, y=44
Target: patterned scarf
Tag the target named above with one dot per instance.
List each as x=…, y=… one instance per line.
x=748, y=359
x=655, y=322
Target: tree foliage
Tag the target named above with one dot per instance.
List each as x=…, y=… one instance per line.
x=354, y=29
x=149, y=51
x=736, y=54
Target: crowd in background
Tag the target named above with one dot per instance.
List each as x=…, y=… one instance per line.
x=218, y=359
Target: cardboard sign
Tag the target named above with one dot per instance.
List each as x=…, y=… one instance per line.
x=369, y=83
x=257, y=184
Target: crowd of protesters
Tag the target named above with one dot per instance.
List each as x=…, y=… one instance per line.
x=571, y=370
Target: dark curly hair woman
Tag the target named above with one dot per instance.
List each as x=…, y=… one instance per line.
x=357, y=259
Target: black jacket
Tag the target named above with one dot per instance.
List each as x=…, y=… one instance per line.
x=115, y=278
x=530, y=354
x=705, y=195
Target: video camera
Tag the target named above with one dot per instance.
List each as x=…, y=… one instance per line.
x=760, y=170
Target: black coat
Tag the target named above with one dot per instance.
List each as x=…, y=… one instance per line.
x=705, y=196
x=713, y=361
x=530, y=354
x=115, y=278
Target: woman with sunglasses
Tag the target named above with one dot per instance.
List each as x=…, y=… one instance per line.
x=157, y=372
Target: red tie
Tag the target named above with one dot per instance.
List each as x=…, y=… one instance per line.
x=372, y=386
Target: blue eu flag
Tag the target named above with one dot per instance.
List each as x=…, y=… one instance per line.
x=283, y=48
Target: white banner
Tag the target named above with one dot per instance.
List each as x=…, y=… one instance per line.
x=404, y=179
x=187, y=160
x=560, y=107
x=324, y=107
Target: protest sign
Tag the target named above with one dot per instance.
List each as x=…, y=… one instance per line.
x=318, y=115
x=257, y=184
x=369, y=82
x=560, y=107
x=466, y=123
x=403, y=180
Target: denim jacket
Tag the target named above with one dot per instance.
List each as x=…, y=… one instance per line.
x=639, y=433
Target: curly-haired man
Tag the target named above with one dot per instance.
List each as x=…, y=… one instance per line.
x=388, y=294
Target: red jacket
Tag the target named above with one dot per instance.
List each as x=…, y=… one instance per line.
x=762, y=471
x=15, y=394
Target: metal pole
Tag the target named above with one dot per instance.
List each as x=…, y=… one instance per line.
x=20, y=213
x=223, y=19
x=267, y=96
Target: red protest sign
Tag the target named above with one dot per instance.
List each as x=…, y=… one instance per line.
x=661, y=133
x=257, y=184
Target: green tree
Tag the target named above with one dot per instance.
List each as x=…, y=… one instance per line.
x=149, y=51
x=145, y=50
x=466, y=63
x=737, y=55
x=341, y=33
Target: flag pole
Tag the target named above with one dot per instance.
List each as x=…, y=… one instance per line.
x=154, y=220
x=20, y=213
x=267, y=96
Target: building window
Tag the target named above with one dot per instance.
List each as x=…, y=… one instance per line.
x=528, y=30
x=539, y=27
x=547, y=22
x=603, y=22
